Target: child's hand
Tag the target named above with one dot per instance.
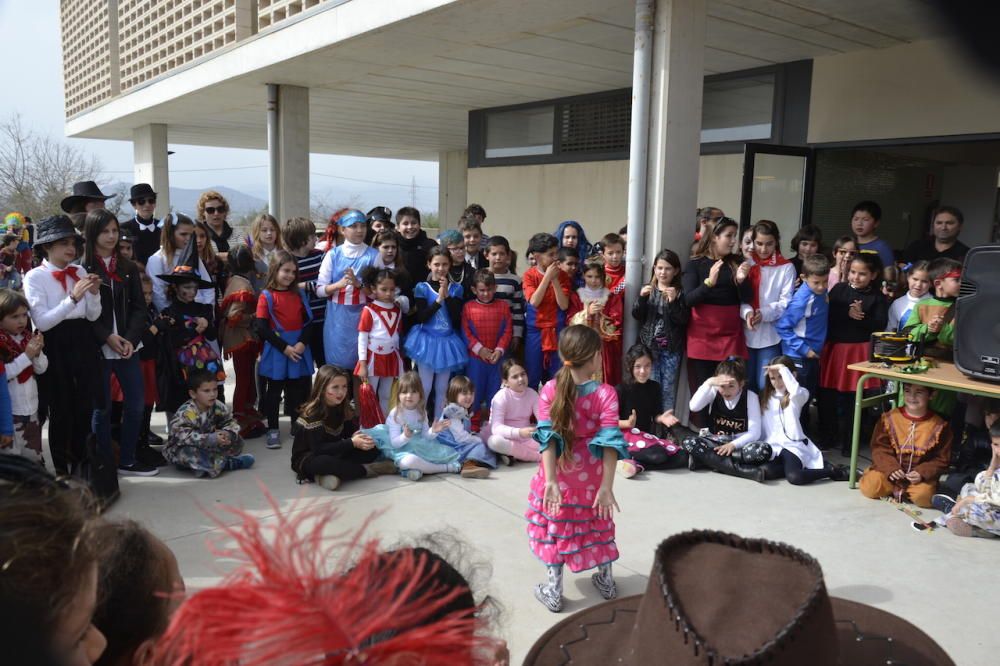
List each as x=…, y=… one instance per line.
x=595, y=308
x=742, y=272
x=349, y=276
x=646, y=290
x=913, y=476
x=552, y=498
x=80, y=288
x=407, y=431
x=898, y=475
x=300, y=347
x=35, y=345
x=442, y=290
x=811, y=354
x=934, y=325
x=671, y=294
x=631, y=419
x=94, y=285
x=200, y=324
x=292, y=354
x=725, y=449
x=525, y=433
x=605, y=503
x=668, y=419
x=440, y=425
x=6, y=441
x=496, y=356
x=362, y=441
x=713, y=272
x=362, y=371
x=855, y=311
x=485, y=354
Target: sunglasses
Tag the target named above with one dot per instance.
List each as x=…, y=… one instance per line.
x=143, y=202
x=212, y=210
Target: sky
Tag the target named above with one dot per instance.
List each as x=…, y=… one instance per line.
x=31, y=70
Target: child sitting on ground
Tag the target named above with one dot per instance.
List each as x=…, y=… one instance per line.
x=510, y=429
x=204, y=436
x=640, y=412
x=977, y=511
x=911, y=448
x=476, y=459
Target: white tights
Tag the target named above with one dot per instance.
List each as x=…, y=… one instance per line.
x=383, y=387
x=411, y=461
x=439, y=382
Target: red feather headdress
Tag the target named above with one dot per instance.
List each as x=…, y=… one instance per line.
x=305, y=597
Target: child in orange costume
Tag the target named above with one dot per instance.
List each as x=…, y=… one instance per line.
x=911, y=448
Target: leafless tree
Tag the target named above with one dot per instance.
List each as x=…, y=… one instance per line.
x=37, y=171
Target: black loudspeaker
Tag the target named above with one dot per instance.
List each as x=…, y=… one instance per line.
x=977, y=315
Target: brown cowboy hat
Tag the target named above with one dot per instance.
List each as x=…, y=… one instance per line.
x=85, y=190
x=717, y=599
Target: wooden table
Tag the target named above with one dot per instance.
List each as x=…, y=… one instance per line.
x=945, y=376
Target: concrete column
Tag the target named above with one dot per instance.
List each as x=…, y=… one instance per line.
x=675, y=125
x=149, y=160
x=453, y=186
x=293, y=151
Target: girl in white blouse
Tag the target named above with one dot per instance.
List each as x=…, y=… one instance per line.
x=63, y=300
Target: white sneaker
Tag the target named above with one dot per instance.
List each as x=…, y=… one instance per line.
x=411, y=474
x=328, y=481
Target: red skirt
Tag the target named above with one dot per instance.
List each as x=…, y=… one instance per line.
x=833, y=372
x=715, y=333
x=385, y=365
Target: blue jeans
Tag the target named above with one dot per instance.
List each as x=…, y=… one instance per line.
x=760, y=359
x=129, y=377
x=666, y=371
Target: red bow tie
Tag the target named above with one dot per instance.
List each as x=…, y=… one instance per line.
x=60, y=276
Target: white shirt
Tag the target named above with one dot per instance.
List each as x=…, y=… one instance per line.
x=777, y=285
x=50, y=304
x=704, y=397
x=24, y=397
x=782, y=429
x=158, y=265
x=900, y=309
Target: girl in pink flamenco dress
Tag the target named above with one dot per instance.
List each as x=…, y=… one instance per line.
x=571, y=503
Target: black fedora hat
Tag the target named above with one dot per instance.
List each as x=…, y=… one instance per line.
x=141, y=191
x=54, y=228
x=86, y=190
x=715, y=598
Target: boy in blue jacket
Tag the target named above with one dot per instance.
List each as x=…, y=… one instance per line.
x=803, y=325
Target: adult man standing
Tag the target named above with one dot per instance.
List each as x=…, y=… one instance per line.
x=146, y=229
x=87, y=196
x=943, y=242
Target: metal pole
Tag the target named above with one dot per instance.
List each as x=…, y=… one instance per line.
x=637, y=166
x=273, y=139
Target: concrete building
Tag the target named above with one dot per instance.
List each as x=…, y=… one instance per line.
x=791, y=111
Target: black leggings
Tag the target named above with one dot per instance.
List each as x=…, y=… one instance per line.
x=346, y=467
x=296, y=391
x=657, y=457
x=788, y=465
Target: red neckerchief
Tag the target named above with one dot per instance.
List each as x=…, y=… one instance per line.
x=11, y=349
x=111, y=268
x=615, y=277
x=60, y=276
x=774, y=260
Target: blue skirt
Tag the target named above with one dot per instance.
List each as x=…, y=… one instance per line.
x=428, y=449
x=443, y=353
x=340, y=335
x=277, y=366
x=477, y=451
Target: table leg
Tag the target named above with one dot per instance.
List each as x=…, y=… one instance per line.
x=859, y=400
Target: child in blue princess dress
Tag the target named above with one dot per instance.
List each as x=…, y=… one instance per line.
x=408, y=439
x=476, y=458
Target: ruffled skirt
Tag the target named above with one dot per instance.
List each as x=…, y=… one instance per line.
x=833, y=372
x=423, y=447
x=443, y=353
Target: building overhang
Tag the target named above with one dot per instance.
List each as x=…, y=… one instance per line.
x=397, y=79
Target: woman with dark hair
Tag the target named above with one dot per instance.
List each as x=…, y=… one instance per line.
x=118, y=331
x=140, y=588
x=714, y=285
x=48, y=589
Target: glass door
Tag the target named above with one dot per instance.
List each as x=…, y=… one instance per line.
x=777, y=186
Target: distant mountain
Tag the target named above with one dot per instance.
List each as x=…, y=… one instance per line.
x=185, y=201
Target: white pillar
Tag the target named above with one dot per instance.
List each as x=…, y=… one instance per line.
x=675, y=125
x=453, y=186
x=293, y=152
x=149, y=160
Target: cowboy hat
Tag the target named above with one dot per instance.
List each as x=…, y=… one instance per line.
x=186, y=269
x=54, y=228
x=715, y=598
x=86, y=190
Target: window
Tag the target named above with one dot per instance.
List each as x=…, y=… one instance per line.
x=520, y=132
x=738, y=108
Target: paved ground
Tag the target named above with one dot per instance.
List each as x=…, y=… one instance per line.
x=868, y=550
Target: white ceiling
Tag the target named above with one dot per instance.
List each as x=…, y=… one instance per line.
x=405, y=90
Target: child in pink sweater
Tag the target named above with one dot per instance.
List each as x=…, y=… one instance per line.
x=510, y=428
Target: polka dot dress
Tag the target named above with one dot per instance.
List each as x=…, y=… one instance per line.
x=574, y=535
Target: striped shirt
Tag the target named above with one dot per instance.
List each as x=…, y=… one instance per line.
x=308, y=272
x=509, y=289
